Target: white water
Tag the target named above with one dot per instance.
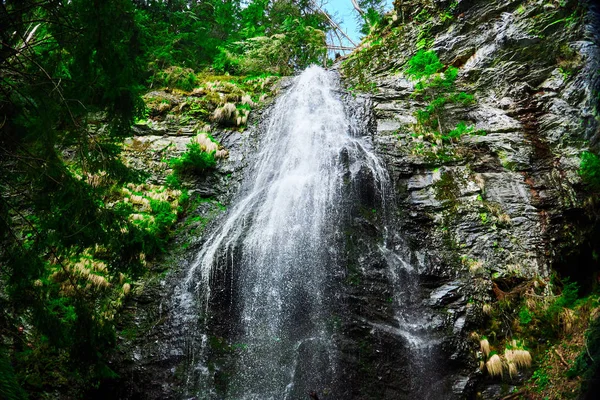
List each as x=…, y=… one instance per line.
x=276, y=244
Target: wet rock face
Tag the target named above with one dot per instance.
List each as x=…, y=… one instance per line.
x=497, y=207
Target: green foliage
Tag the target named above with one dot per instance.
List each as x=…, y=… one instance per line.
x=423, y=16
x=226, y=61
x=423, y=64
x=525, y=316
x=439, y=89
x=589, y=169
x=9, y=387
x=195, y=159
x=173, y=181
x=588, y=361
x=71, y=74
x=460, y=130
x=178, y=33
x=448, y=14
x=296, y=46
x=177, y=77
x=66, y=244
x=568, y=296
x=372, y=18
x=541, y=379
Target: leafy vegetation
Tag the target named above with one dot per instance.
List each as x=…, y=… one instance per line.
x=589, y=169
x=424, y=64
x=296, y=46
x=200, y=155
x=66, y=254
x=526, y=311
x=436, y=85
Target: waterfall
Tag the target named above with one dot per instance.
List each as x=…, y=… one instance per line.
x=260, y=294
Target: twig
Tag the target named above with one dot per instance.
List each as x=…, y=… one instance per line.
x=357, y=8
x=511, y=396
x=333, y=23
x=561, y=358
x=588, y=350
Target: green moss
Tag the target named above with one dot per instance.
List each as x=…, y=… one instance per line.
x=447, y=188
x=505, y=162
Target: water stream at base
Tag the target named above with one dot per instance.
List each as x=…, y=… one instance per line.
x=270, y=259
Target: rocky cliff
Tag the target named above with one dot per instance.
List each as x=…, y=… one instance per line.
x=493, y=210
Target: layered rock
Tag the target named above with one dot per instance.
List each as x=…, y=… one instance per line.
x=486, y=212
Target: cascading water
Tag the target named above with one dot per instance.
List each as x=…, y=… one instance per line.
x=260, y=295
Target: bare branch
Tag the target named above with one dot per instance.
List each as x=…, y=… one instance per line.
x=333, y=24
x=357, y=8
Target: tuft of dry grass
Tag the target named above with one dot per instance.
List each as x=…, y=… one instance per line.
x=512, y=369
x=246, y=99
x=98, y=281
x=520, y=358
x=484, y=345
x=487, y=309
x=567, y=320
x=494, y=366
x=225, y=113
x=97, y=180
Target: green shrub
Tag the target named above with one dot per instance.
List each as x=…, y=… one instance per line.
x=463, y=98
x=589, y=169
x=193, y=160
x=541, y=379
x=177, y=77
x=550, y=319
x=226, y=62
x=588, y=361
x=439, y=89
x=460, y=130
x=173, y=181
x=423, y=64
x=569, y=295
x=164, y=217
x=525, y=316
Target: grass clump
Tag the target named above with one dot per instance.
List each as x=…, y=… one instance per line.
x=494, y=365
